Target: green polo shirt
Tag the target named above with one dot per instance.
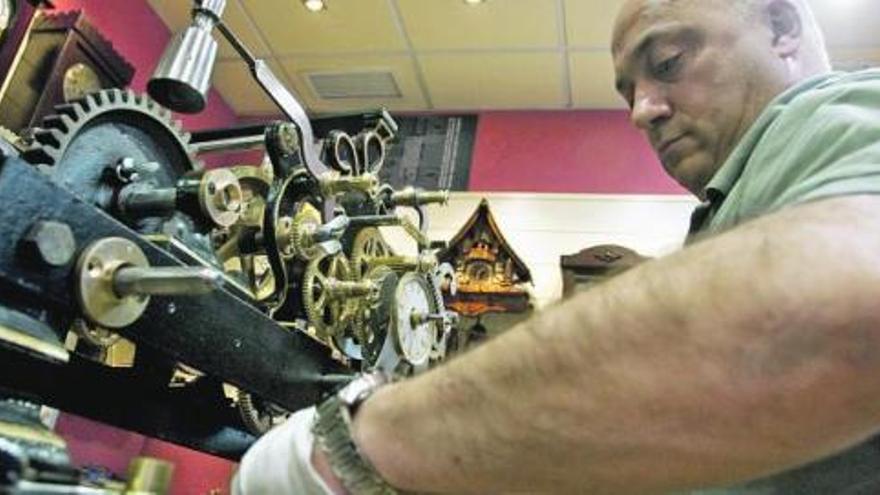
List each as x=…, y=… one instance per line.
x=817, y=140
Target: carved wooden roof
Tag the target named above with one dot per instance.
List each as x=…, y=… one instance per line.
x=482, y=218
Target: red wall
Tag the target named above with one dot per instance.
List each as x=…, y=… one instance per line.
x=589, y=151
x=565, y=152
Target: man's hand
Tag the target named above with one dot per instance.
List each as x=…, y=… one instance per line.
x=285, y=460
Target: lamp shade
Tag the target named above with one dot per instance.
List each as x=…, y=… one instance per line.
x=182, y=78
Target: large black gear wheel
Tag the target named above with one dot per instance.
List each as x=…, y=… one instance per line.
x=79, y=143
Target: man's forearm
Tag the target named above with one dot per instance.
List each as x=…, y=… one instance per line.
x=692, y=370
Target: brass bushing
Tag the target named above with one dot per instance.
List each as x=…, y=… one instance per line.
x=95, y=270
x=220, y=197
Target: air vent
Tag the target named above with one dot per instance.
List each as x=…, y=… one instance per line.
x=354, y=85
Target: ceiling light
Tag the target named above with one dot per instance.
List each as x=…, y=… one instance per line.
x=474, y=2
x=314, y=5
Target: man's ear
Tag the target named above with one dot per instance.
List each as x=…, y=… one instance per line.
x=786, y=26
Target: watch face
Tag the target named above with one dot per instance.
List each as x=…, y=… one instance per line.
x=479, y=271
x=414, y=338
x=80, y=80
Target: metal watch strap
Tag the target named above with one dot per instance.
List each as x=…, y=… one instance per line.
x=333, y=431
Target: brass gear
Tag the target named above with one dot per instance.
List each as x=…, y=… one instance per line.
x=328, y=316
x=444, y=271
x=306, y=220
x=368, y=244
x=369, y=328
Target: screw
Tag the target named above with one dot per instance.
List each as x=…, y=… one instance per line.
x=52, y=241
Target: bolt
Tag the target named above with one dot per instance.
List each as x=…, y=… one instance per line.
x=127, y=170
x=288, y=139
x=52, y=241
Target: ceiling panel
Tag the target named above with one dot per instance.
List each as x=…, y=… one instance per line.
x=494, y=80
x=592, y=80
x=504, y=54
x=345, y=26
x=233, y=80
x=453, y=24
x=589, y=23
x=400, y=66
x=176, y=15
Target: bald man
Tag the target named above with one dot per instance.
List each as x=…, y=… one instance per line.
x=750, y=359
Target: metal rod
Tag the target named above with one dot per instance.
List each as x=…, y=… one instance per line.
x=374, y=220
x=282, y=97
x=237, y=44
x=230, y=144
x=166, y=281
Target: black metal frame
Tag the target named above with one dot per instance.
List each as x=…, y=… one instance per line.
x=221, y=334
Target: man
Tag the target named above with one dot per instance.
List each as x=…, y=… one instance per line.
x=752, y=354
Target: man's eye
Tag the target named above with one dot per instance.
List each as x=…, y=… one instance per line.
x=668, y=67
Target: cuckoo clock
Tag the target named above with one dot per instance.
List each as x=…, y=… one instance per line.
x=491, y=277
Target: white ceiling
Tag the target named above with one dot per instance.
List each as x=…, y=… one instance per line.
x=445, y=55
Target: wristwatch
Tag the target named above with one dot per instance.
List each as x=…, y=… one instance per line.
x=332, y=429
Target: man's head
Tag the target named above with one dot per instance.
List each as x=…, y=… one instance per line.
x=697, y=73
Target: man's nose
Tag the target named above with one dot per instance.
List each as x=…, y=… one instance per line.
x=650, y=108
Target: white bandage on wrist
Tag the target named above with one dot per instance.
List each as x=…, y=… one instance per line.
x=280, y=461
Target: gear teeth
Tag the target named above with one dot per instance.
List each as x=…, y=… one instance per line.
x=68, y=122
x=92, y=101
x=56, y=122
x=73, y=111
x=50, y=137
x=51, y=141
x=37, y=155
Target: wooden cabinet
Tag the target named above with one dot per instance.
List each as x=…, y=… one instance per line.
x=61, y=58
x=595, y=264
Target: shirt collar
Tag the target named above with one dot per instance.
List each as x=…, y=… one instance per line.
x=727, y=175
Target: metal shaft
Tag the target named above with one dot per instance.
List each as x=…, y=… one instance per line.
x=338, y=289
x=411, y=196
x=374, y=220
x=332, y=184
x=140, y=201
x=166, y=281
x=334, y=229
x=237, y=143
x=418, y=318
